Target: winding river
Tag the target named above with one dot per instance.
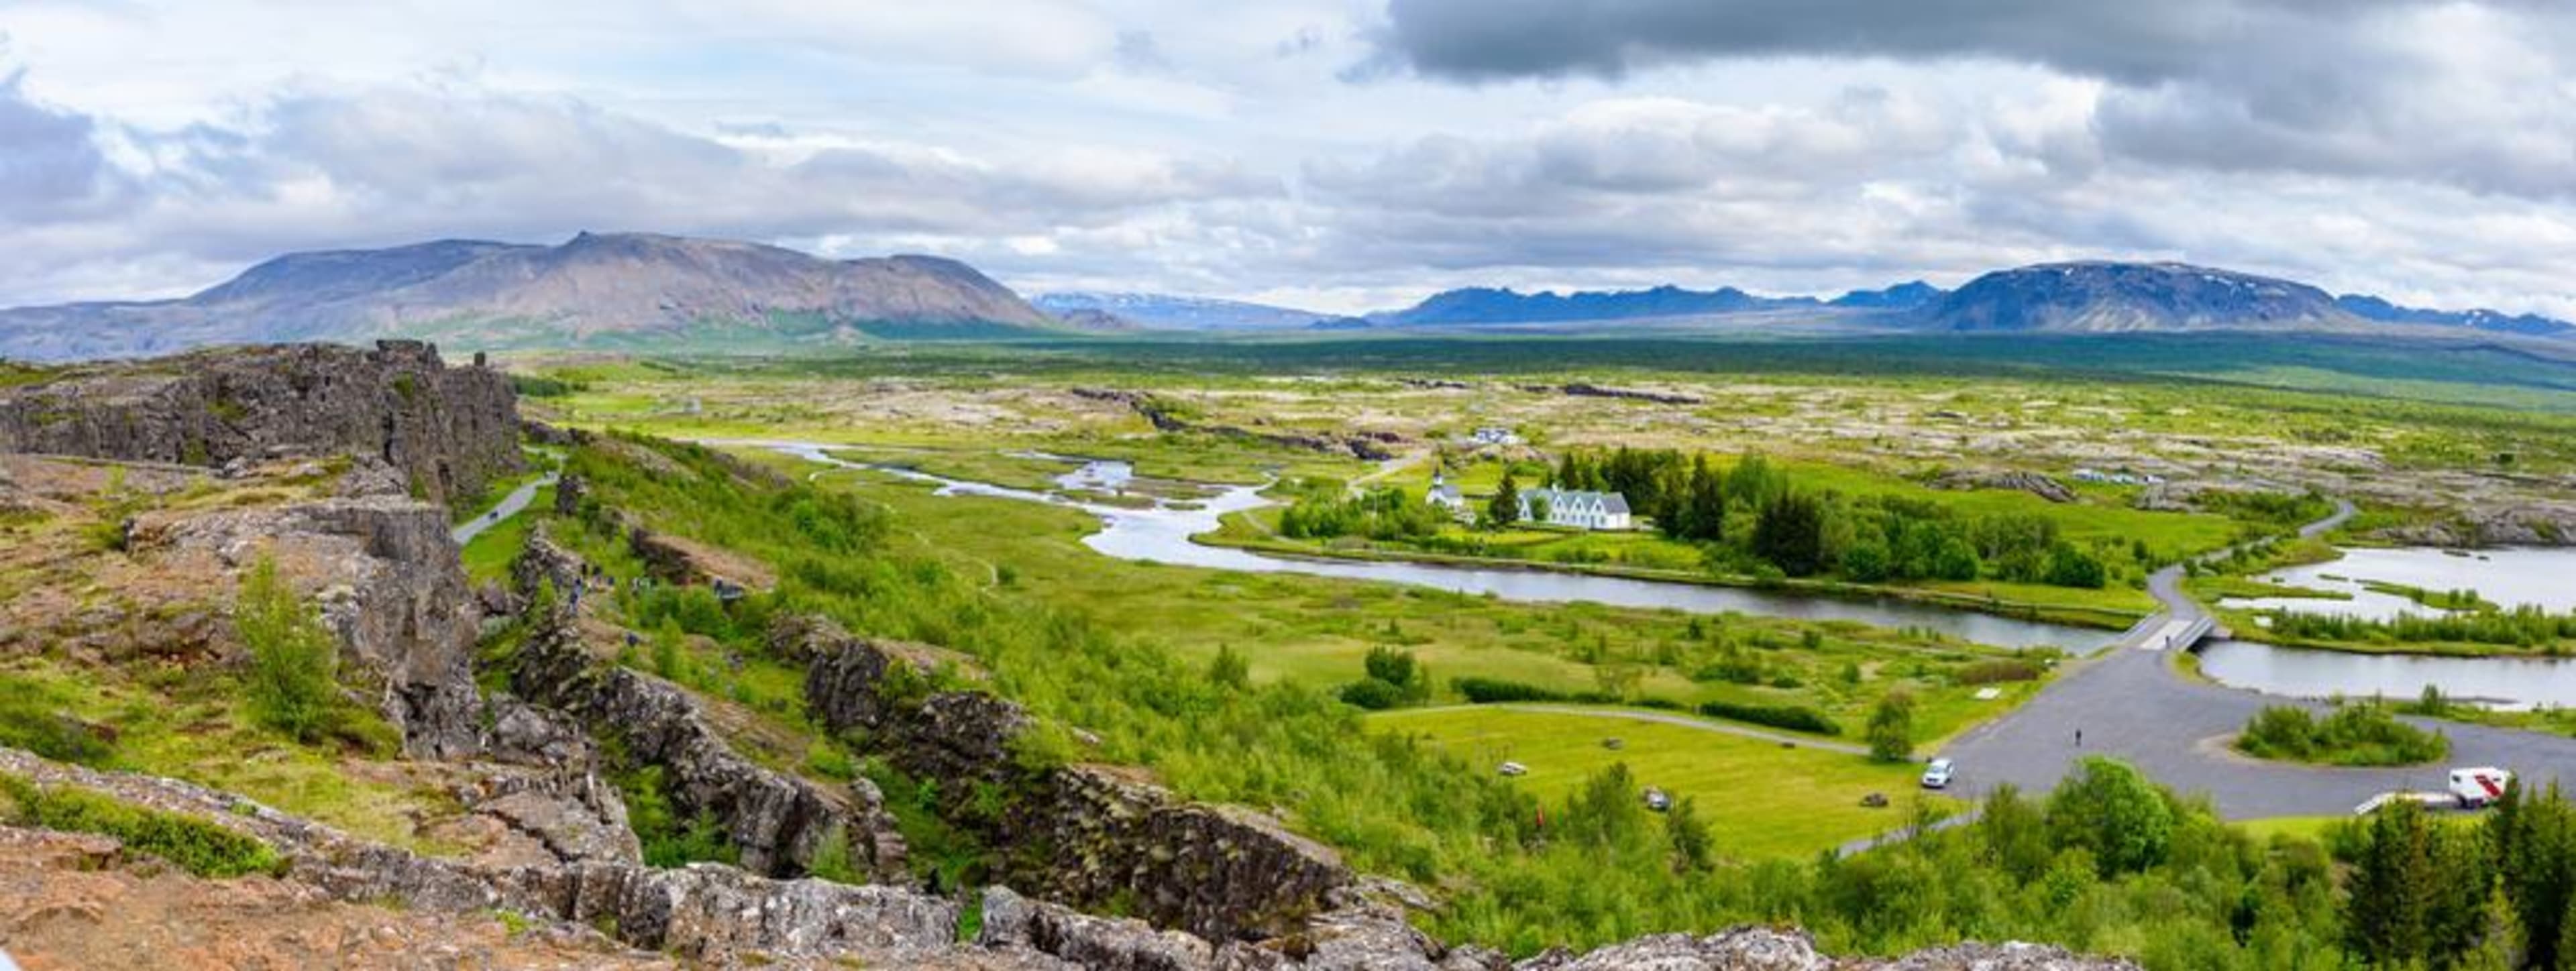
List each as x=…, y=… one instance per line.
x=1160, y=533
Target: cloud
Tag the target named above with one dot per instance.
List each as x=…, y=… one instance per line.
x=51, y=165
x=2472, y=93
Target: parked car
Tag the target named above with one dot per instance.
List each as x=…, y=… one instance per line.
x=1514, y=769
x=1937, y=775
x=1656, y=800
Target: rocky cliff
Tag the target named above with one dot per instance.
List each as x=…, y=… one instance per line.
x=448, y=431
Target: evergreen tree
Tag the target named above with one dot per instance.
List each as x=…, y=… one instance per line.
x=1791, y=533
x=1506, y=507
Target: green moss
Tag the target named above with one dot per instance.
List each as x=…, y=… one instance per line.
x=195, y=845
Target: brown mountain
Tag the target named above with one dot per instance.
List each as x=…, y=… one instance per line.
x=597, y=289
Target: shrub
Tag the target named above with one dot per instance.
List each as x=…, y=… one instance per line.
x=1796, y=718
x=2355, y=734
x=1891, y=728
x=1373, y=694
x=294, y=661
x=1997, y=671
x=195, y=845
x=1484, y=691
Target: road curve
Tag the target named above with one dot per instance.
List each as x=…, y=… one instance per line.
x=510, y=505
x=2131, y=703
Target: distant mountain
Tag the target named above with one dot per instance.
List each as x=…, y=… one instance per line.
x=1903, y=296
x=1483, y=305
x=597, y=289
x=2374, y=308
x=1164, y=311
x=2102, y=297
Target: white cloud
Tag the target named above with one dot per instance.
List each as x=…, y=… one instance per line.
x=2424, y=150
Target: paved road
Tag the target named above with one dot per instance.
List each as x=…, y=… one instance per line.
x=509, y=506
x=2130, y=702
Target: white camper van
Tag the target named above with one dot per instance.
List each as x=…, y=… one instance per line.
x=2479, y=786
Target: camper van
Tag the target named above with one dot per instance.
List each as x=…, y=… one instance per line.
x=2479, y=786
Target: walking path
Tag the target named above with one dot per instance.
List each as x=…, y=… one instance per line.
x=510, y=505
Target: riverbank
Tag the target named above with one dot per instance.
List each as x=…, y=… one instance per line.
x=1251, y=538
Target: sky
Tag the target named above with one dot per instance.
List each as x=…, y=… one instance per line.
x=1336, y=155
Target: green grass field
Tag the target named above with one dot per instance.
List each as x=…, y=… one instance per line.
x=1763, y=801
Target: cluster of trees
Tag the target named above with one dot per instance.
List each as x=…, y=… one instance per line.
x=2352, y=734
x=1381, y=514
x=2501, y=895
x=1394, y=680
x=2525, y=627
x=1758, y=511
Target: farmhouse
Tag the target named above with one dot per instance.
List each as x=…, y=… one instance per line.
x=1568, y=507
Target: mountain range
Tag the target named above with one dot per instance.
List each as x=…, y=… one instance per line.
x=597, y=288
x=2076, y=297
x=636, y=290
x=1168, y=312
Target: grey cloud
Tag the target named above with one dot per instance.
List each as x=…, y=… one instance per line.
x=51, y=168
x=2471, y=93
x=2136, y=43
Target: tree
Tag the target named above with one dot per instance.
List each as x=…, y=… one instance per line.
x=1506, y=507
x=294, y=661
x=1791, y=533
x=2071, y=567
x=2111, y=811
x=1891, y=728
x=1229, y=670
x=1866, y=562
x=1692, y=845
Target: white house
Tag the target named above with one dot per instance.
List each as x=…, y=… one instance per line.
x=1445, y=495
x=1584, y=510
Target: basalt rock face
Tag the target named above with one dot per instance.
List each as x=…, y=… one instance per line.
x=2013, y=479
x=2535, y=525
x=390, y=585
x=449, y=431
x=1218, y=872
x=779, y=822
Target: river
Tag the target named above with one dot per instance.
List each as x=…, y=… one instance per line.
x=1160, y=533
x=2544, y=578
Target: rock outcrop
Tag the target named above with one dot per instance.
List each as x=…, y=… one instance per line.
x=1097, y=835
x=778, y=822
x=389, y=582
x=2532, y=525
x=2012, y=479
x=449, y=431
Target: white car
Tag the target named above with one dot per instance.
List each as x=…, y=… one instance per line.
x=1515, y=768
x=1937, y=775
x=1657, y=801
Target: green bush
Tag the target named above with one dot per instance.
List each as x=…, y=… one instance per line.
x=1373, y=694
x=1486, y=691
x=2352, y=734
x=1796, y=718
x=1997, y=671
x=195, y=845
x=1891, y=728
x=293, y=682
